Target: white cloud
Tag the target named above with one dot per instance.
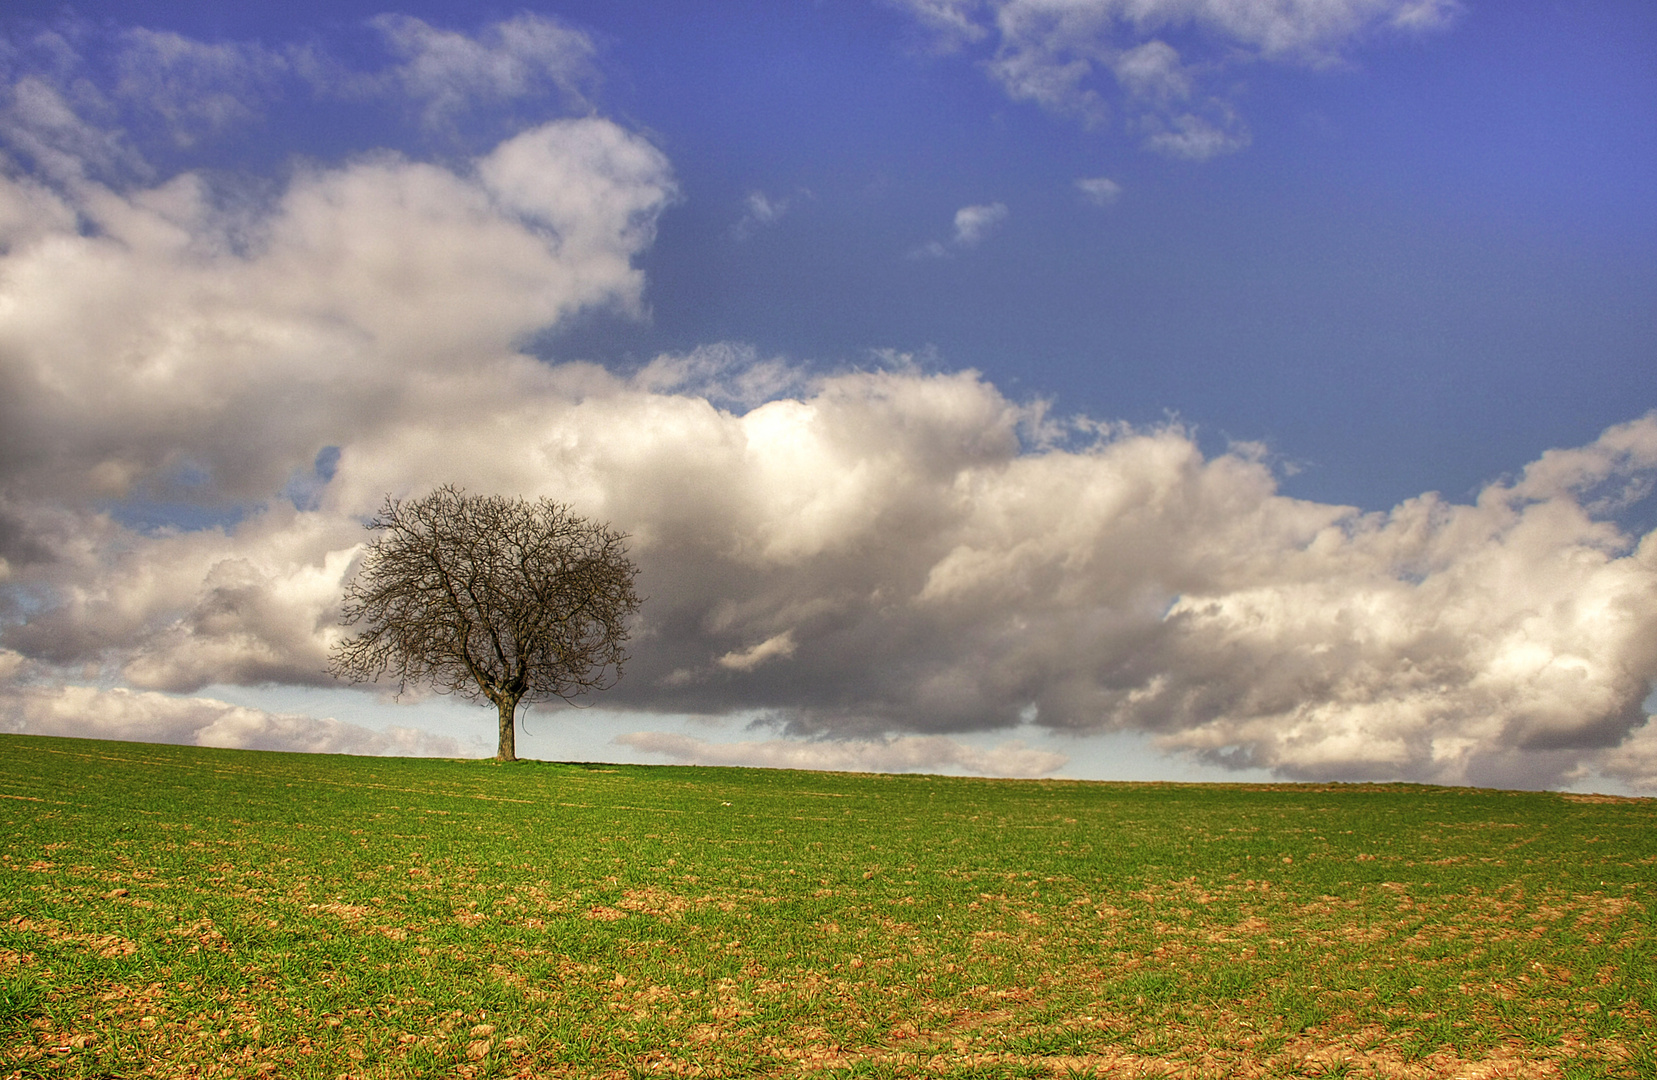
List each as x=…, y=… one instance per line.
x=1634, y=761
x=912, y=753
x=199, y=607
x=1153, y=71
x=1197, y=138
x=760, y=211
x=1100, y=190
x=951, y=24
x=1057, y=53
x=196, y=88
x=1423, y=14
x=39, y=122
x=724, y=373
x=780, y=646
x=974, y=223
x=526, y=56
x=90, y=713
x=175, y=335
x=1055, y=83
x=69, y=112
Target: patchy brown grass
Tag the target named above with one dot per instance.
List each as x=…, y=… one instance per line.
x=199, y=913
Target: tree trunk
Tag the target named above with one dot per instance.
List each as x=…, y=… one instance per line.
x=509, y=731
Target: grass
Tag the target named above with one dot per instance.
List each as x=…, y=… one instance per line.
x=173, y=911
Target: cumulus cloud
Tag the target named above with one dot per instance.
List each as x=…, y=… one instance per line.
x=973, y=224
x=884, y=554
x=184, y=610
x=1634, y=761
x=176, y=344
x=124, y=715
x=1065, y=57
x=910, y=753
x=1099, y=190
x=1153, y=71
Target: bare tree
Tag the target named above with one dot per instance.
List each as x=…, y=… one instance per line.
x=489, y=597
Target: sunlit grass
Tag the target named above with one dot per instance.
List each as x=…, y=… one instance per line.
x=168, y=911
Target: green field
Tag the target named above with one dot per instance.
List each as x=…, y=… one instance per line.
x=174, y=911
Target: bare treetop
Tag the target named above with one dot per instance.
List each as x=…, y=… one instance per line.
x=489, y=597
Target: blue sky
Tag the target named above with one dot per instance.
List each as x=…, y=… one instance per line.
x=1346, y=255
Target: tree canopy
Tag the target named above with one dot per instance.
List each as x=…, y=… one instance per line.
x=489, y=597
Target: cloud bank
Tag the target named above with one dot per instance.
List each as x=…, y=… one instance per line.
x=120, y=714
x=872, y=560
x=1086, y=58
x=910, y=753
